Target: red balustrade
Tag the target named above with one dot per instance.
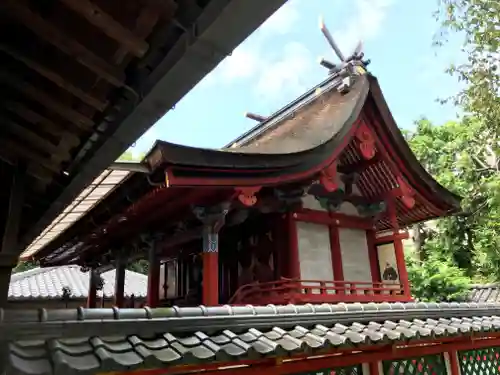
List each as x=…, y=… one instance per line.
x=318, y=291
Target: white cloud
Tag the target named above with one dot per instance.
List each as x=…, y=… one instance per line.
x=243, y=63
x=366, y=24
x=246, y=60
x=286, y=74
x=282, y=21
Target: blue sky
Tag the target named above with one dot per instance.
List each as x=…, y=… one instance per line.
x=278, y=62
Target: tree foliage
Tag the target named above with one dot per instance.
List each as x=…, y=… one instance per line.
x=464, y=156
x=478, y=21
x=437, y=279
x=459, y=156
x=24, y=266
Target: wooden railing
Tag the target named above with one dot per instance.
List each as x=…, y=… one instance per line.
x=318, y=291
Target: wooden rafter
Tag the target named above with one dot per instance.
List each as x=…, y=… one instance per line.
x=51, y=34
x=358, y=167
x=148, y=18
x=40, y=173
x=107, y=24
x=42, y=123
x=47, y=101
x=55, y=78
x=12, y=147
x=35, y=140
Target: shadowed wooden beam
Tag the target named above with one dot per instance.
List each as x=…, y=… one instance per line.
x=14, y=148
x=97, y=17
x=37, y=142
x=149, y=16
x=42, y=123
x=51, y=34
x=43, y=98
x=253, y=116
x=42, y=175
x=54, y=77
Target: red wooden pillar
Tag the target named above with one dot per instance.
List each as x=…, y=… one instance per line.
x=454, y=366
x=213, y=219
x=153, y=278
x=210, y=278
x=374, y=368
x=373, y=256
x=293, y=247
x=92, y=292
x=119, y=282
x=336, y=253
x=399, y=249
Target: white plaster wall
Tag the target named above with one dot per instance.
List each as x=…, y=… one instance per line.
x=314, y=252
x=355, y=259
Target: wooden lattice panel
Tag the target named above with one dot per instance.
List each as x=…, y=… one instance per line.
x=480, y=361
x=427, y=365
x=349, y=370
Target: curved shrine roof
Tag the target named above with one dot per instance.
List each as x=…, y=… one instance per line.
x=292, y=146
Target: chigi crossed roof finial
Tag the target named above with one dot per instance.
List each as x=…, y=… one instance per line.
x=352, y=64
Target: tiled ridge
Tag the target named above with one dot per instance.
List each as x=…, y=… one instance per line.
x=45, y=324
x=94, y=352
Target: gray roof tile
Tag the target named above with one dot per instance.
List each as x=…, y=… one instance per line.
x=48, y=283
x=484, y=293
x=148, y=338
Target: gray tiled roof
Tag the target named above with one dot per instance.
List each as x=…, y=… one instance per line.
x=48, y=283
x=100, y=340
x=484, y=293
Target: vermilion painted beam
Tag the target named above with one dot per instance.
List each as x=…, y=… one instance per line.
x=392, y=237
x=337, y=219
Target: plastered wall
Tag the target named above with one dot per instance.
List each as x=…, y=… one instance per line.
x=355, y=258
x=314, y=252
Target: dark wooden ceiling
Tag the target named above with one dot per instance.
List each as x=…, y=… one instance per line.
x=73, y=70
x=66, y=65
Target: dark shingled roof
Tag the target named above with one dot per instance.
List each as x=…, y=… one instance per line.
x=86, y=341
x=484, y=293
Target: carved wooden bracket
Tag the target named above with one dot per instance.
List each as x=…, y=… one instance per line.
x=367, y=141
x=407, y=193
x=328, y=177
x=246, y=195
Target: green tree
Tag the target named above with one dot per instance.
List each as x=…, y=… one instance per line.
x=130, y=156
x=24, y=266
x=478, y=21
x=436, y=279
x=459, y=156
